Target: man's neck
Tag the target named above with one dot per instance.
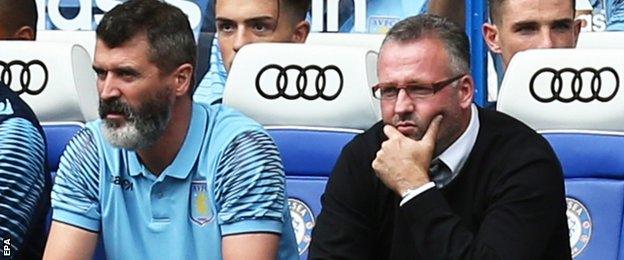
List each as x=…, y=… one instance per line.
x=163, y=152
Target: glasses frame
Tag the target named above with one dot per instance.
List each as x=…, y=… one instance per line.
x=436, y=87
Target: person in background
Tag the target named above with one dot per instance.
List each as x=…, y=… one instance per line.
x=18, y=20
x=241, y=22
x=24, y=180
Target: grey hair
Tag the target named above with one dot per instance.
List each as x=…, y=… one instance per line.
x=455, y=40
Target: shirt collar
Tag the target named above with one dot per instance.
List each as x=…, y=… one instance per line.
x=455, y=156
x=184, y=161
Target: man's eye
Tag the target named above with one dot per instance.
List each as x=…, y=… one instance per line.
x=389, y=90
x=420, y=91
x=259, y=27
x=562, y=27
x=101, y=75
x=526, y=29
x=225, y=27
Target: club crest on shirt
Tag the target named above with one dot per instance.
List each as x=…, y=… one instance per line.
x=580, y=225
x=302, y=221
x=381, y=24
x=201, y=212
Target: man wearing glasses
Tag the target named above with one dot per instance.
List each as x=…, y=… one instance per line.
x=439, y=178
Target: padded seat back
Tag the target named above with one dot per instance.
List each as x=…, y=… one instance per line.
x=575, y=99
x=312, y=100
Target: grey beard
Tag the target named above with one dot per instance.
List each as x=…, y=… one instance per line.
x=139, y=132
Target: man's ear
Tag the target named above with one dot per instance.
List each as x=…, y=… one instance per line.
x=578, y=24
x=25, y=33
x=491, y=37
x=182, y=79
x=465, y=85
x=302, y=29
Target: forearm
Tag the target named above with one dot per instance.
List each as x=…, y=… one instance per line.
x=451, y=9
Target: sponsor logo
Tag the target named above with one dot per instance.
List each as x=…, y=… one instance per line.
x=302, y=221
x=293, y=82
x=568, y=84
x=201, y=211
x=30, y=77
x=580, y=225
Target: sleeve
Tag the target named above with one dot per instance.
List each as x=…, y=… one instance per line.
x=250, y=186
x=615, y=15
x=75, y=199
x=345, y=227
x=22, y=179
x=525, y=214
x=210, y=89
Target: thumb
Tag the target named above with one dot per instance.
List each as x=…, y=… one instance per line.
x=391, y=132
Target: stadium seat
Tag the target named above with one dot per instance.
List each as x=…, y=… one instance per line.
x=574, y=98
x=58, y=85
x=363, y=40
x=600, y=40
x=312, y=100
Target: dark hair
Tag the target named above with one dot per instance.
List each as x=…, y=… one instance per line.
x=495, y=7
x=298, y=8
x=455, y=40
x=167, y=28
x=15, y=14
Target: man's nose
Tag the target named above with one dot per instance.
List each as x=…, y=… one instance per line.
x=108, y=88
x=404, y=103
x=242, y=38
x=546, y=40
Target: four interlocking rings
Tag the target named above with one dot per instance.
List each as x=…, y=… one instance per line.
x=25, y=76
x=556, y=85
x=301, y=82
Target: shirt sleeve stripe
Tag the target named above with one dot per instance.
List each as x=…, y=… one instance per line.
x=22, y=179
x=75, y=194
x=249, y=184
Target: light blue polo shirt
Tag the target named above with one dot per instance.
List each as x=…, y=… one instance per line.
x=227, y=179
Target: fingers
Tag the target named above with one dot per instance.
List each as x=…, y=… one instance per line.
x=432, y=131
x=391, y=132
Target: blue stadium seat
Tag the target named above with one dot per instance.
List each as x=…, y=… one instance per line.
x=204, y=45
x=309, y=128
x=57, y=136
x=593, y=166
x=574, y=99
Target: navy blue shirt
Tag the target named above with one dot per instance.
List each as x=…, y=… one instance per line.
x=24, y=182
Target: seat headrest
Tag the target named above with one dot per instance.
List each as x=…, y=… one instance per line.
x=280, y=84
x=600, y=40
x=55, y=79
x=86, y=39
x=566, y=90
x=364, y=40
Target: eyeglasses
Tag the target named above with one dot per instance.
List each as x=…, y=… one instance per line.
x=390, y=91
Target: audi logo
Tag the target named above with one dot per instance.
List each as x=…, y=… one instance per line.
x=600, y=88
x=25, y=71
x=282, y=79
